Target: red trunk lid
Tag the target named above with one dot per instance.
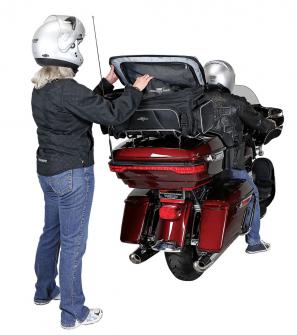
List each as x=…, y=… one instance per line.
x=167, y=164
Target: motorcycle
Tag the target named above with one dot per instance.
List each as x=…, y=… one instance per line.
x=183, y=202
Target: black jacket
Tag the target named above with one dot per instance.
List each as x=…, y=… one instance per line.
x=64, y=112
x=232, y=115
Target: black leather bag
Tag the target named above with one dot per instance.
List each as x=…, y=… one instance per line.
x=185, y=112
x=174, y=100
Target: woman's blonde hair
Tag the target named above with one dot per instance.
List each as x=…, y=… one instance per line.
x=49, y=73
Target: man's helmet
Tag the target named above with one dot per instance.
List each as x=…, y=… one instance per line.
x=220, y=72
x=56, y=42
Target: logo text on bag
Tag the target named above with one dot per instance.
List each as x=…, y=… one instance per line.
x=160, y=90
x=142, y=118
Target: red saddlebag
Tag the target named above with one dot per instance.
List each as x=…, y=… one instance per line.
x=212, y=225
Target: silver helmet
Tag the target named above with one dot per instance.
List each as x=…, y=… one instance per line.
x=220, y=72
x=56, y=42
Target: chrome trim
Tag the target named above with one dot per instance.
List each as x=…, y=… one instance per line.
x=194, y=241
x=135, y=259
x=259, y=151
x=166, y=246
x=199, y=264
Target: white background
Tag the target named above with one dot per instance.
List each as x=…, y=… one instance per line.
x=240, y=294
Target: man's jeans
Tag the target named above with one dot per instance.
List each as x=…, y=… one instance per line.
x=68, y=199
x=253, y=237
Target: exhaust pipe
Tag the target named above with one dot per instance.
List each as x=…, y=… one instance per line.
x=205, y=261
x=134, y=258
x=142, y=254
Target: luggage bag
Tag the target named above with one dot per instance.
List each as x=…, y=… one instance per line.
x=174, y=100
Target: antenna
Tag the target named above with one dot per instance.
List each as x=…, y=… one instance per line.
x=102, y=87
x=98, y=56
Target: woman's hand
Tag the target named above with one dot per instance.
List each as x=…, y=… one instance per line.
x=141, y=82
x=111, y=77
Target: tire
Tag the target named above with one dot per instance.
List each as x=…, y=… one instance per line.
x=181, y=264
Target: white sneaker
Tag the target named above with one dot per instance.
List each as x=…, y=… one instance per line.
x=95, y=315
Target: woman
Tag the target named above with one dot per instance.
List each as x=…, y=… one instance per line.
x=64, y=112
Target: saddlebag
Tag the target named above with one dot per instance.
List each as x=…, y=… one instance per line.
x=212, y=225
x=263, y=172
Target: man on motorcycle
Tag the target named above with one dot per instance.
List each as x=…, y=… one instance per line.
x=233, y=114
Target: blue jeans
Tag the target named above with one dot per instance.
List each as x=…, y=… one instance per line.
x=68, y=199
x=253, y=237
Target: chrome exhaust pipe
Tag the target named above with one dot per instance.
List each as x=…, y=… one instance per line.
x=142, y=254
x=134, y=258
x=205, y=261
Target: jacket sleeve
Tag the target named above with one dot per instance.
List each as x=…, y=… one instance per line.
x=89, y=106
x=253, y=119
x=104, y=86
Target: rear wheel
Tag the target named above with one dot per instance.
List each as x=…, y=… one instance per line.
x=181, y=263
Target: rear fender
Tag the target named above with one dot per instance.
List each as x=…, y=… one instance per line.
x=174, y=228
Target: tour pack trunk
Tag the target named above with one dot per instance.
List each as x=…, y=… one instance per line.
x=167, y=164
x=173, y=101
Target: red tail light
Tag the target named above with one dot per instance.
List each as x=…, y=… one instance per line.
x=169, y=212
x=176, y=169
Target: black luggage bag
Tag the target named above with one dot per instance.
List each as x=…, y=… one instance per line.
x=174, y=100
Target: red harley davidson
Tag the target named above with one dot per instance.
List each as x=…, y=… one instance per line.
x=182, y=201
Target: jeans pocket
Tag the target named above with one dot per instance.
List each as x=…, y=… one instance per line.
x=61, y=183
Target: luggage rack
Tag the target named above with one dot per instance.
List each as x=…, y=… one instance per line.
x=160, y=134
x=140, y=135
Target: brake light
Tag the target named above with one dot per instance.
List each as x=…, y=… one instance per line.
x=176, y=169
x=169, y=212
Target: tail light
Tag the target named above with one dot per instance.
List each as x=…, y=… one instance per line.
x=176, y=169
x=169, y=212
